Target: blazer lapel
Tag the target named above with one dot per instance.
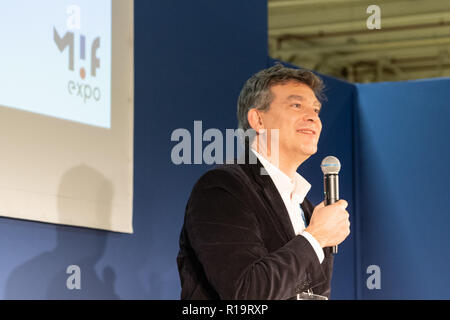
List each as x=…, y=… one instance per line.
x=272, y=198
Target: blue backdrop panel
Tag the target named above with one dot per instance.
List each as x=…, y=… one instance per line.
x=191, y=59
x=402, y=188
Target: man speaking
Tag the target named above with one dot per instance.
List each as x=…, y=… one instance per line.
x=249, y=230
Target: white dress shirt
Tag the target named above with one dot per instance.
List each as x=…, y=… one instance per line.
x=293, y=192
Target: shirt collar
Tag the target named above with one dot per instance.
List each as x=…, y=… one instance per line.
x=298, y=186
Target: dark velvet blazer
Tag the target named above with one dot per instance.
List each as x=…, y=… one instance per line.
x=237, y=241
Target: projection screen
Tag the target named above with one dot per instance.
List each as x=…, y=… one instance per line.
x=66, y=112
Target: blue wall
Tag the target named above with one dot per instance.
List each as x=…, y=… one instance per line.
x=192, y=58
x=402, y=188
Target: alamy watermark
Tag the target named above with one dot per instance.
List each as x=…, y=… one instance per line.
x=374, y=20
x=374, y=280
x=220, y=148
x=74, y=280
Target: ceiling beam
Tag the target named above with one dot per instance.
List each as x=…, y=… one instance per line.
x=386, y=22
x=297, y=3
x=359, y=47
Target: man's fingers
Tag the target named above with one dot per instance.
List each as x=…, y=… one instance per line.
x=342, y=203
x=321, y=205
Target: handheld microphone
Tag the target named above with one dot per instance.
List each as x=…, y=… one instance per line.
x=330, y=168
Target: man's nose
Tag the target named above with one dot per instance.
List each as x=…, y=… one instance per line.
x=311, y=115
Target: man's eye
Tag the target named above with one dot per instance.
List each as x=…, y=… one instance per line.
x=297, y=105
x=317, y=111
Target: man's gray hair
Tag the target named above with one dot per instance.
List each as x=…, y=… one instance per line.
x=256, y=91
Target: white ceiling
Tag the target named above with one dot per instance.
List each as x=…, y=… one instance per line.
x=331, y=36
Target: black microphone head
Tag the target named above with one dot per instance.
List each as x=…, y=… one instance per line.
x=330, y=165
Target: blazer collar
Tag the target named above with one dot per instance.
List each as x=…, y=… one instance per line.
x=270, y=194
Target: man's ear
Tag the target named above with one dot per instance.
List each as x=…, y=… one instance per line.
x=254, y=119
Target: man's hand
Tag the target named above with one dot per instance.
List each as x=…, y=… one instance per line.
x=330, y=225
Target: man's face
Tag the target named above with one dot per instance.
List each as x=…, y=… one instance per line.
x=295, y=112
